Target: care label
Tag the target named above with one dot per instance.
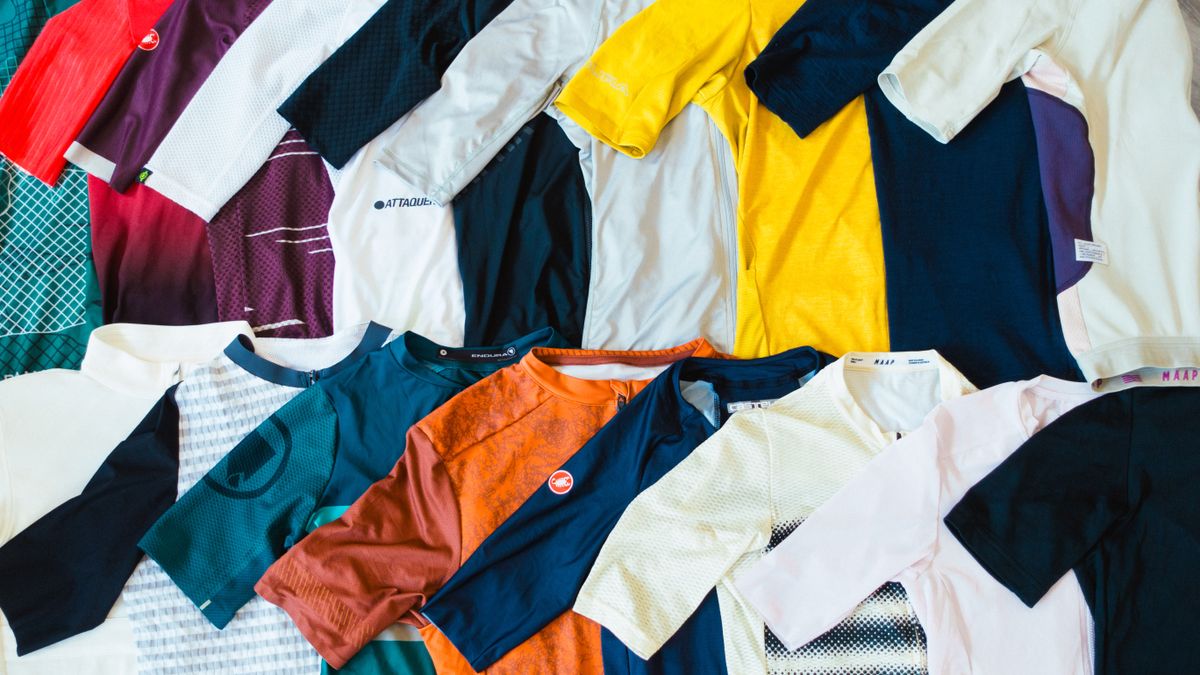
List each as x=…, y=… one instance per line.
x=1091, y=251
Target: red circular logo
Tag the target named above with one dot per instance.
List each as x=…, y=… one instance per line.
x=150, y=42
x=561, y=482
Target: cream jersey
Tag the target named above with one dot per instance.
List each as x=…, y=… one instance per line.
x=742, y=491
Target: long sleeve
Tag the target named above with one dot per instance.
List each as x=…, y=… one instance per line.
x=830, y=52
x=956, y=66
x=391, y=64
x=222, y=534
x=681, y=536
x=62, y=575
x=1042, y=511
x=352, y=578
x=229, y=128
x=508, y=73
x=881, y=522
x=671, y=53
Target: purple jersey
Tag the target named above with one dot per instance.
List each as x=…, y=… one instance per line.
x=156, y=84
x=272, y=261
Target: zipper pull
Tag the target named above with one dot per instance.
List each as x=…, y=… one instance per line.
x=621, y=401
x=312, y=377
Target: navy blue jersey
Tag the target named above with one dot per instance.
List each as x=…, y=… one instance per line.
x=972, y=211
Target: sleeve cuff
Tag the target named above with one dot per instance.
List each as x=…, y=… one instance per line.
x=893, y=88
x=602, y=126
x=972, y=533
x=633, y=637
x=332, y=628
x=803, y=117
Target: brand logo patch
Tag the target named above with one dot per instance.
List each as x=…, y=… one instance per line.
x=561, y=482
x=144, y=175
x=150, y=42
x=402, y=202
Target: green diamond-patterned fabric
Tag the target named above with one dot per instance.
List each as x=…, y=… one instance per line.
x=49, y=297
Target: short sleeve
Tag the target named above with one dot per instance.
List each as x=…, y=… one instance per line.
x=352, y=578
x=830, y=52
x=385, y=69
x=221, y=535
x=1042, y=511
x=62, y=575
x=956, y=66
x=669, y=54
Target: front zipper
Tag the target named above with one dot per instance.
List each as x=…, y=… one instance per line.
x=724, y=155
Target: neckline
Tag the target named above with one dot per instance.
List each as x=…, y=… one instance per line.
x=539, y=364
x=146, y=359
x=242, y=352
x=432, y=362
x=1051, y=388
x=951, y=383
x=815, y=362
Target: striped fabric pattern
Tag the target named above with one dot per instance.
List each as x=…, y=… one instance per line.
x=218, y=406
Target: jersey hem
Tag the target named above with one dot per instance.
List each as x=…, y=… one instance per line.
x=1141, y=362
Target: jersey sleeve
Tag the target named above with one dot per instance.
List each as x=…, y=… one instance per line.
x=830, y=52
x=229, y=128
x=391, y=64
x=680, y=537
x=956, y=66
x=352, y=578
x=222, y=534
x=528, y=571
x=62, y=575
x=1041, y=512
x=669, y=54
x=880, y=523
x=504, y=76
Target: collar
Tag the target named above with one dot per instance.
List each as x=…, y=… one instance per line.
x=951, y=383
x=142, y=359
x=458, y=367
x=242, y=352
x=539, y=364
x=793, y=365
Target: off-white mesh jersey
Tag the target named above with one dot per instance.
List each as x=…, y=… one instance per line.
x=230, y=127
x=745, y=489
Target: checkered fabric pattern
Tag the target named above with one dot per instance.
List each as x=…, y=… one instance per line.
x=47, y=281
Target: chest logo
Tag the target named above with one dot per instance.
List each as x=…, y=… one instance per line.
x=150, y=42
x=561, y=482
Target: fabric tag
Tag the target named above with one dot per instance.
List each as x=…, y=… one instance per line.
x=485, y=355
x=144, y=175
x=738, y=406
x=1091, y=251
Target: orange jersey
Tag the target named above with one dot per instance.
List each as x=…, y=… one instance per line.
x=466, y=467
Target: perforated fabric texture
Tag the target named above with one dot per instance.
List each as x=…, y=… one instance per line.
x=230, y=126
x=49, y=300
x=218, y=406
x=272, y=258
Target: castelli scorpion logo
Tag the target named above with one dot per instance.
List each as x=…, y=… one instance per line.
x=561, y=482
